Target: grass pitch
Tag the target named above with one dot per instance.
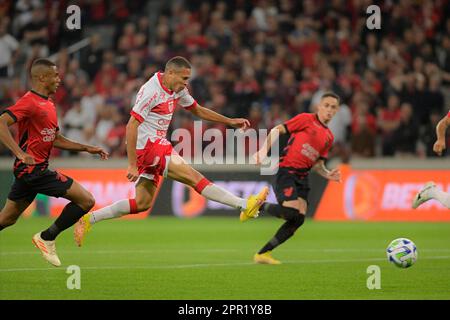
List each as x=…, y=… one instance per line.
x=167, y=258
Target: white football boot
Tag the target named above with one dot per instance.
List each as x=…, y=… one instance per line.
x=47, y=248
x=423, y=195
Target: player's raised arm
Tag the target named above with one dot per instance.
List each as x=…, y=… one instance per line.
x=6, y=138
x=63, y=143
x=441, y=128
x=270, y=140
x=210, y=115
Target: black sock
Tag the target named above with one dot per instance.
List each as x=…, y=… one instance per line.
x=68, y=217
x=279, y=211
x=286, y=231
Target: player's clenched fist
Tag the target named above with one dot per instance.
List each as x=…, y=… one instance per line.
x=26, y=158
x=132, y=173
x=439, y=146
x=97, y=150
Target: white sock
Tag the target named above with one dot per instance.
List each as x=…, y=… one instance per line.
x=215, y=193
x=441, y=196
x=117, y=209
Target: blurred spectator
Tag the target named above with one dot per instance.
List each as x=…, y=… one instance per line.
x=340, y=126
x=91, y=56
x=428, y=134
x=388, y=122
x=74, y=122
x=90, y=103
x=363, y=131
x=9, y=47
x=35, y=31
x=406, y=135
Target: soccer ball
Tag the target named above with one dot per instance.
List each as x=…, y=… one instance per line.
x=402, y=252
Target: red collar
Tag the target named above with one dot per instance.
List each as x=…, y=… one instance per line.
x=159, y=75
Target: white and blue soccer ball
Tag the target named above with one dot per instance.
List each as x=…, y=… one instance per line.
x=402, y=252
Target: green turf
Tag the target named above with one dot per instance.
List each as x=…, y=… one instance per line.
x=211, y=258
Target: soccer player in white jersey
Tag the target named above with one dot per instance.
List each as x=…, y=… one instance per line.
x=430, y=190
x=151, y=155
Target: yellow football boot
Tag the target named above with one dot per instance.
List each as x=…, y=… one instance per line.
x=265, y=258
x=82, y=227
x=254, y=202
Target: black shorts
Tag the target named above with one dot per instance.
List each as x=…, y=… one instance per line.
x=291, y=184
x=50, y=183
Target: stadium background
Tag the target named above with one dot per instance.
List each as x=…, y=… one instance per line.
x=263, y=60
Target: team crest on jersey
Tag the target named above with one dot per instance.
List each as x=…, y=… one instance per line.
x=61, y=177
x=171, y=106
x=288, y=191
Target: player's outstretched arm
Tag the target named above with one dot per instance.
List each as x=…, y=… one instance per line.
x=6, y=138
x=334, y=175
x=63, y=143
x=132, y=133
x=209, y=115
x=272, y=137
x=441, y=128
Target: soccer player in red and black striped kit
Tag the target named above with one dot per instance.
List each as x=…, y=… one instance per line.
x=307, y=148
x=35, y=115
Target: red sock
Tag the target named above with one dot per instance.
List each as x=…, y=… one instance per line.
x=133, y=206
x=202, y=184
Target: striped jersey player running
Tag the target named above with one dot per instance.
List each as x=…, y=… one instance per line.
x=151, y=155
x=310, y=139
x=37, y=121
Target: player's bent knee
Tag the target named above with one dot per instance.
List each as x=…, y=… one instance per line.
x=299, y=219
x=88, y=203
x=142, y=205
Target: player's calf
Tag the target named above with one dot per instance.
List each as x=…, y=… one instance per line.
x=294, y=220
x=87, y=203
x=68, y=217
x=279, y=211
x=6, y=221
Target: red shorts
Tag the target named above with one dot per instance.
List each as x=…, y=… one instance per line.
x=153, y=160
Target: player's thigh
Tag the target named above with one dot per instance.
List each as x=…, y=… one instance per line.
x=80, y=196
x=145, y=192
x=300, y=204
x=182, y=172
x=13, y=209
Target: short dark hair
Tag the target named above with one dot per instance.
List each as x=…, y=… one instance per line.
x=332, y=95
x=178, y=62
x=41, y=62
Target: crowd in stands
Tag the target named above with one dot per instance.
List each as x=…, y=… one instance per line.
x=265, y=60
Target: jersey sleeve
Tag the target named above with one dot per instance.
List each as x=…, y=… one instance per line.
x=297, y=123
x=448, y=114
x=187, y=101
x=22, y=110
x=145, y=101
